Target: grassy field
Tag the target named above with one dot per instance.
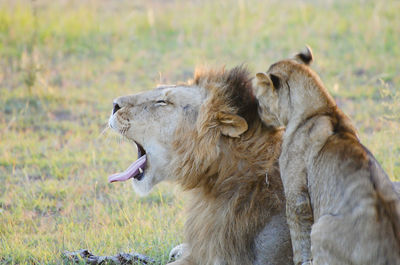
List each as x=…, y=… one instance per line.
x=62, y=63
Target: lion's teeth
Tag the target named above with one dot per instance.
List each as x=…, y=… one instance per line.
x=140, y=170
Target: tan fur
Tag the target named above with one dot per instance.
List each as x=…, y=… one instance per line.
x=219, y=151
x=341, y=206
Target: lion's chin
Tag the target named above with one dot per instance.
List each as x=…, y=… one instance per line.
x=143, y=186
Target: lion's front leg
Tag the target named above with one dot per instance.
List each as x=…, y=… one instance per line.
x=181, y=255
x=186, y=260
x=178, y=252
x=299, y=217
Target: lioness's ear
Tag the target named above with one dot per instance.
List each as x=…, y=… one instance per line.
x=305, y=57
x=231, y=125
x=268, y=81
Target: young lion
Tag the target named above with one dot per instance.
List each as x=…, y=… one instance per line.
x=341, y=206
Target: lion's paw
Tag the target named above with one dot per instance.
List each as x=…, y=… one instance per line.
x=177, y=252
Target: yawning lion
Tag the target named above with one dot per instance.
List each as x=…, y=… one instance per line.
x=207, y=136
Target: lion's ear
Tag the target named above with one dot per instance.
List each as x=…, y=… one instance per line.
x=305, y=57
x=231, y=125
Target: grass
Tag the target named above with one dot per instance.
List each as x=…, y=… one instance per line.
x=62, y=63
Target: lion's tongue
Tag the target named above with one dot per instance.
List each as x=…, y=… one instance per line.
x=130, y=172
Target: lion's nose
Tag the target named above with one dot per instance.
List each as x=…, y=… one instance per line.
x=115, y=108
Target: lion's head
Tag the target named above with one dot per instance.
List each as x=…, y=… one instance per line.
x=179, y=129
x=288, y=87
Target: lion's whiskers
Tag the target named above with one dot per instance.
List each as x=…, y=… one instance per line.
x=122, y=136
x=104, y=131
x=110, y=135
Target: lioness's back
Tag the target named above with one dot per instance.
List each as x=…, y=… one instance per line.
x=359, y=205
x=355, y=204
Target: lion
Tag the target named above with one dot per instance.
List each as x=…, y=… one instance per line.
x=207, y=136
x=341, y=206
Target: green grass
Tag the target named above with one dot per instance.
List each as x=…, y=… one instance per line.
x=61, y=69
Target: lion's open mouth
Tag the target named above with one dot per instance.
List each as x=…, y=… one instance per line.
x=135, y=170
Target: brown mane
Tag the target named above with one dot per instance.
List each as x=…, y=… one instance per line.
x=235, y=85
x=231, y=200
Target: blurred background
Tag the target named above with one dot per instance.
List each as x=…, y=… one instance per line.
x=62, y=63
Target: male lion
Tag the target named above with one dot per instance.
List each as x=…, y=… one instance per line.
x=207, y=136
x=341, y=206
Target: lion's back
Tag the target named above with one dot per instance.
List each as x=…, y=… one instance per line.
x=357, y=203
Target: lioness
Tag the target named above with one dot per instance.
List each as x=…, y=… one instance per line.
x=341, y=206
x=207, y=136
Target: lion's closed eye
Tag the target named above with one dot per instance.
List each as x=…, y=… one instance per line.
x=161, y=102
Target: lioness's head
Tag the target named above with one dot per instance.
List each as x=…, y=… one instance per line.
x=178, y=129
x=288, y=88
